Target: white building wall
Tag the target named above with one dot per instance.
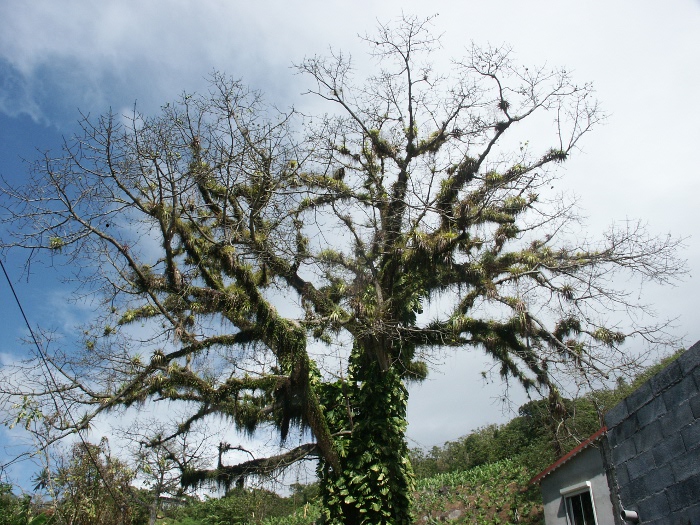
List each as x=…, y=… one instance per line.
x=587, y=465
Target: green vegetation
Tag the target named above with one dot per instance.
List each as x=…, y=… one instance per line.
x=488, y=494
x=412, y=185
x=239, y=506
x=531, y=439
x=94, y=488
x=536, y=437
x=16, y=510
x=481, y=478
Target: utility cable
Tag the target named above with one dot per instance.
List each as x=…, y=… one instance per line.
x=55, y=384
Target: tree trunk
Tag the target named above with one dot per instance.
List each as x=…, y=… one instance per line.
x=153, y=510
x=376, y=482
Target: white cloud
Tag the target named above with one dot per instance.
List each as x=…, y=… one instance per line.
x=642, y=56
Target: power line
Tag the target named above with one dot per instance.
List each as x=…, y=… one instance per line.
x=24, y=316
x=55, y=385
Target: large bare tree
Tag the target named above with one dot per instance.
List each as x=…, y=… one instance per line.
x=234, y=247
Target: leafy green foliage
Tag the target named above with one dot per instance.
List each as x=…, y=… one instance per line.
x=409, y=184
x=533, y=439
x=489, y=494
x=239, y=506
x=249, y=506
x=15, y=510
x=376, y=482
x=536, y=437
x=93, y=488
x=305, y=516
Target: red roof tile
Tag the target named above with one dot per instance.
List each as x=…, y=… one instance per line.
x=558, y=463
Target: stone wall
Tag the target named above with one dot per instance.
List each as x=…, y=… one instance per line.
x=654, y=440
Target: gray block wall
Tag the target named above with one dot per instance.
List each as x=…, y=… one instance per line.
x=654, y=438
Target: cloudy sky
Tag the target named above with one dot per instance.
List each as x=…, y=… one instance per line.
x=61, y=58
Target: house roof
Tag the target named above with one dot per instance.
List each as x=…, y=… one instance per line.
x=558, y=463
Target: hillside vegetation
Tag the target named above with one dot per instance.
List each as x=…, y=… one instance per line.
x=481, y=478
x=536, y=437
x=489, y=494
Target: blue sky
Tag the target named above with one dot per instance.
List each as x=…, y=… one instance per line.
x=59, y=58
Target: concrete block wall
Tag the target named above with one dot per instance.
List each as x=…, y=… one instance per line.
x=654, y=438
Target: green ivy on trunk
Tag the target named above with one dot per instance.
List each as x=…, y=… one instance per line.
x=375, y=483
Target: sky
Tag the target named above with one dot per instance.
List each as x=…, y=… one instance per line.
x=61, y=59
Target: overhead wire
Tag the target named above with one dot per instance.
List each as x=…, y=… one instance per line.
x=56, y=386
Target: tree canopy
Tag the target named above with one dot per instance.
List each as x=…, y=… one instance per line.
x=274, y=268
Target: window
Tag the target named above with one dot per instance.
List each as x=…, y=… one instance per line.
x=579, y=509
x=578, y=502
